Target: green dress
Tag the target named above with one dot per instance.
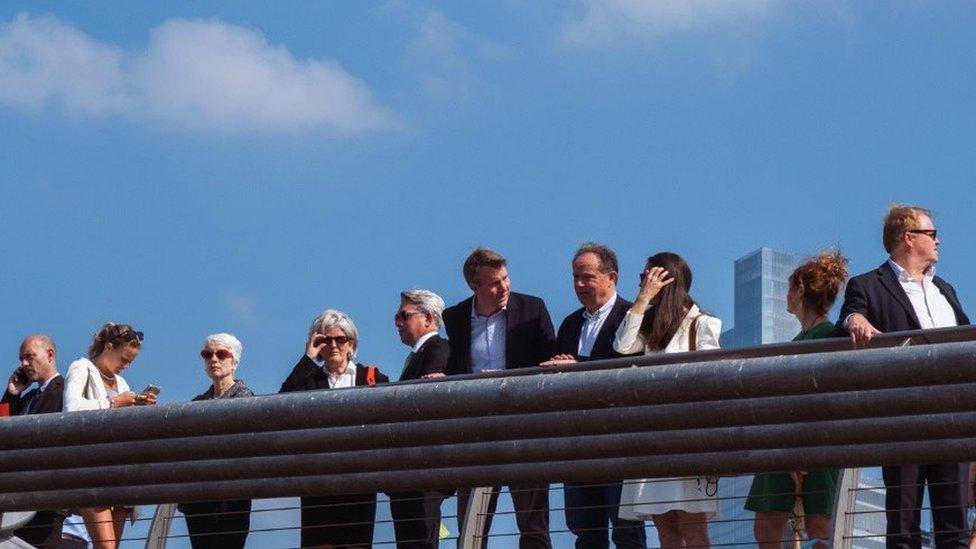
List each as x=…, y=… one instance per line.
x=775, y=492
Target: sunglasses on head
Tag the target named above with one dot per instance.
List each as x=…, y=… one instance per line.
x=221, y=354
x=127, y=335
x=328, y=341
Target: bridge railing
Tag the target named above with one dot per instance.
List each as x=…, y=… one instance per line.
x=721, y=412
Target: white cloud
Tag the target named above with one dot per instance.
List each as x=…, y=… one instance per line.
x=242, y=307
x=197, y=74
x=615, y=23
x=446, y=56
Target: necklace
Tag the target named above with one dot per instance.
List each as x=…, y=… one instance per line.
x=107, y=378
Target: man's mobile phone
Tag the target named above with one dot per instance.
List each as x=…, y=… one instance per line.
x=154, y=389
x=21, y=376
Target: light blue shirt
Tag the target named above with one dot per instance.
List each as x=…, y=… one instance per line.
x=488, y=340
x=592, y=323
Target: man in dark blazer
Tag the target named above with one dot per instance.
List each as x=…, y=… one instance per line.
x=587, y=334
x=38, y=364
x=904, y=294
x=497, y=329
x=417, y=515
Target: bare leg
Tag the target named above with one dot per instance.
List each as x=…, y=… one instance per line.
x=100, y=523
x=667, y=530
x=694, y=529
x=818, y=526
x=770, y=528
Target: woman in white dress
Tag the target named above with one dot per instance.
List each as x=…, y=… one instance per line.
x=665, y=319
x=94, y=383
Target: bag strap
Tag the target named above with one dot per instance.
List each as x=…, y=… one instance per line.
x=371, y=376
x=693, y=334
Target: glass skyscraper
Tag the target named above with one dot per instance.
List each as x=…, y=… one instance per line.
x=761, y=282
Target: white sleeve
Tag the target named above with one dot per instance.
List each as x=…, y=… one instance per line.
x=74, y=389
x=709, y=330
x=627, y=341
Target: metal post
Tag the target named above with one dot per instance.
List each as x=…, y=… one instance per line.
x=471, y=527
x=160, y=526
x=845, y=507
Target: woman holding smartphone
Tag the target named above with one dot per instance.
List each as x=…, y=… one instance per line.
x=665, y=319
x=95, y=383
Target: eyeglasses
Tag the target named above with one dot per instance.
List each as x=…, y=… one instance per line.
x=127, y=335
x=931, y=233
x=404, y=316
x=328, y=341
x=221, y=354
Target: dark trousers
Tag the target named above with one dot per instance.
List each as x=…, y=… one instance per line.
x=590, y=507
x=531, y=504
x=343, y=521
x=44, y=530
x=417, y=519
x=904, y=485
x=217, y=525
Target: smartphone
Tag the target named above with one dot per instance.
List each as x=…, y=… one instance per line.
x=21, y=376
x=151, y=388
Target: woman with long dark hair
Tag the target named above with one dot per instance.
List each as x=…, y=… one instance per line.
x=814, y=287
x=665, y=319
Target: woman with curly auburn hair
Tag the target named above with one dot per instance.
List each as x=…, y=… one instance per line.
x=814, y=287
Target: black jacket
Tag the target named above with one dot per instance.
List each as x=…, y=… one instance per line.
x=309, y=376
x=880, y=298
x=51, y=401
x=567, y=340
x=432, y=358
x=529, y=337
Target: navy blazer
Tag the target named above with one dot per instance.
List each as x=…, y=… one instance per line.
x=431, y=358
x=51, y=401
x=529, y=337
x=567, y=340
x=880, y=298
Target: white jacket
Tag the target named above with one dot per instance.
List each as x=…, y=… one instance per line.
x=708, y=330
x=84, y=388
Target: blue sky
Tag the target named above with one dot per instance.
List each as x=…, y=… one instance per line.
x=199, y=167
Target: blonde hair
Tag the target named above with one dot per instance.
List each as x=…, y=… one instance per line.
x=113, y=333
x=899, y=220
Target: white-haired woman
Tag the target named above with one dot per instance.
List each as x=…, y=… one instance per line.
x=222, y=524
x=345, y=520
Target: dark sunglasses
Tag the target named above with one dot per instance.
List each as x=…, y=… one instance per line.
x=221, y=354
x=931, y=233
x=403, y=316
x=128, y=335
x=328, y=341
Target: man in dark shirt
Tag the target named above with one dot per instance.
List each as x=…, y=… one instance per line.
x=417, y=515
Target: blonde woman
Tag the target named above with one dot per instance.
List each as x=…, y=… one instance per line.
x=95, y=383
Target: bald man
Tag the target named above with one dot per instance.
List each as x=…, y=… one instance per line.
x=37, y=365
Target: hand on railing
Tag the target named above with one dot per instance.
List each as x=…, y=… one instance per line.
x=861, y=330
x=558, y=360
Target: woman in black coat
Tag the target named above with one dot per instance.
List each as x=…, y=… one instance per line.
x=343, y=520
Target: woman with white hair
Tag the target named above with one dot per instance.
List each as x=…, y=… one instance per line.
x=344, y=520
x=219, y=524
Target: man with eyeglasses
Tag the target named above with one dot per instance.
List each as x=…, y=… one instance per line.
x=417, y=515
x=38, y=364
x=904, y=294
